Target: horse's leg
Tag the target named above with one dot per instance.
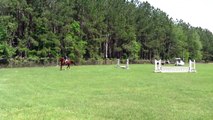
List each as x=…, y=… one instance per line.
x=61, y=67
x=68, y=66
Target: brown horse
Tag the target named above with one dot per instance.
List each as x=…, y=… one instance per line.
x=65, y=62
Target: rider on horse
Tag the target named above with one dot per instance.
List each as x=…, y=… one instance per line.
x=65, y=61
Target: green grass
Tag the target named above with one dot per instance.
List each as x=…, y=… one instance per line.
x=105, y=92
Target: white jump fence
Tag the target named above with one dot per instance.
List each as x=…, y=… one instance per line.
x=163, y=69
x=123, y=66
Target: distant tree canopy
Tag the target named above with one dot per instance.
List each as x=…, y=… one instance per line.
x=84, y=29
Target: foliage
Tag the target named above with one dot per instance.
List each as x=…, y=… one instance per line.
x=85, y=29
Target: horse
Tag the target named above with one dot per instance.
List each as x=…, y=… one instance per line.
x=65, y=62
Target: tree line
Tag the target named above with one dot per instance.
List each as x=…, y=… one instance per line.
x=96, y=29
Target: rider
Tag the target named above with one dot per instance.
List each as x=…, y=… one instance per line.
x=66, y=58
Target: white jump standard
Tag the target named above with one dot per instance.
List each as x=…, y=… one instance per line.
x=124, y=66
x=159, y=68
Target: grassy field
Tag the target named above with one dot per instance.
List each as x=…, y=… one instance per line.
x=105, y=92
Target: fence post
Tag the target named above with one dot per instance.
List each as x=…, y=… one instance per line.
x=118, y=62
x=127, y=64
x=194, y=64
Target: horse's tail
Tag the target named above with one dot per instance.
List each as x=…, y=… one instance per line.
x=72, y=62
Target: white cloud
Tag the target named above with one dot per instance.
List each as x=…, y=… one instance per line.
x=195, y=12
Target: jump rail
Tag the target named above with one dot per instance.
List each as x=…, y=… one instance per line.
x=159, y=68
x=124, y=66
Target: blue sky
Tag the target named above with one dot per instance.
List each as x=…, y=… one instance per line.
x=196, y=12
